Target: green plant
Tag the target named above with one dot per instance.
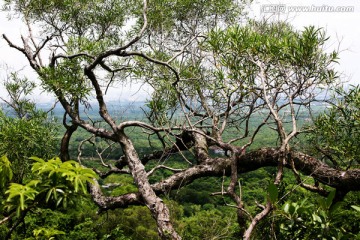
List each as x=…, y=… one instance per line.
x=47, y=233
x=24, y=130
x=56, y=185
x=306, y=220
x=337, y=131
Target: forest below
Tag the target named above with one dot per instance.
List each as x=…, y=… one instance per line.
x=195, y=211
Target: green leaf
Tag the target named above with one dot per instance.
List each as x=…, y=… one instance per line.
x=49, y=167
x=356, y=208
x=329, y=199
x=20, y=195
x=77, y=175
x=286, y=207
x=48, y=195
x=316, y=218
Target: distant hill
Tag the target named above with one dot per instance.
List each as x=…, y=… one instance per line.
x=122, y=110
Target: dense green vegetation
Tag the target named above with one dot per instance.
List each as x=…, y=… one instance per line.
x=197, y=214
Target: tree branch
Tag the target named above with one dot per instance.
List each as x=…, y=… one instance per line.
x=266, y=157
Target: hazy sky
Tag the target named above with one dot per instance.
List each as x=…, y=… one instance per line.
x=342, y=27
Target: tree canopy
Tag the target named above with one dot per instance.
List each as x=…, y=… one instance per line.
x=218, y=80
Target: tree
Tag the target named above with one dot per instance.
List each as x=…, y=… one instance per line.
x=339, y=128
x=25, y=131
x=212, y=78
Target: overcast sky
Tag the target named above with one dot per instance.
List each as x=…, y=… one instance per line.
x=342, y=27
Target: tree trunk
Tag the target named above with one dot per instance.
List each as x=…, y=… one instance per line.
x=64, y=147
x=158, y=209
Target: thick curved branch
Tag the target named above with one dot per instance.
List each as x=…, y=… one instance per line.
x=65, y=142
x=345, y=180
x=106, y=203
